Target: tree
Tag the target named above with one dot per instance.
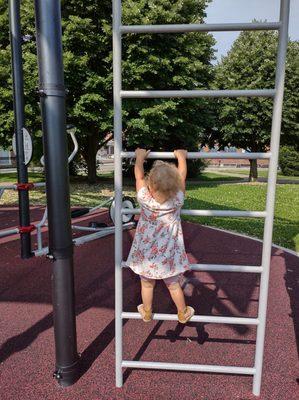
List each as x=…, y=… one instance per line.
x=150, y=61
x=166, y=61
x=87, y=49
x=246, y=122
x=32, y=111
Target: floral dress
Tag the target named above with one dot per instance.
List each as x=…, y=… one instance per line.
x=158, y=249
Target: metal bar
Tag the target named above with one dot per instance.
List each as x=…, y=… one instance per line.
x=39, y=184
x=52, y=101
x=93, y=236
x=270, y=202
x=218, y=369
x=221, y=268
x=76, y=147
x=41, y=252
x=89, y=229
x=14, y=186
x=209, y=213
x=8, y=187
x=197, y=318
x=201, y=154
x=117, y=122
x=86, y=238
x=183, y=28
x=19, y=121
x=101, y=205
x=8, y=232
x=39, y=237
x=226, y=268
x=39, y=226
x=159, y=94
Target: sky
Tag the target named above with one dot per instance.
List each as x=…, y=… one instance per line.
x=224, y=11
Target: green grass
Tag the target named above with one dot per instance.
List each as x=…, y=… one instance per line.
x=213, y=176
x=12, y=177
x=249, y=197
x=210, y=194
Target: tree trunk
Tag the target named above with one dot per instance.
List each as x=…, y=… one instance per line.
x=253, y=171
x=89, y=153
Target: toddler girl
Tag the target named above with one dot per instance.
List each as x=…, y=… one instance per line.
x=158, y=250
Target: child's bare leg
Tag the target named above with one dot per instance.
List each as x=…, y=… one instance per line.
x=184, y=313
x=177, y=296
x=147, y=293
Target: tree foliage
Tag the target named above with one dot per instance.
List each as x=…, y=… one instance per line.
x=181, y=61
x=246, y=122
x=166, y=61
x=289, y=160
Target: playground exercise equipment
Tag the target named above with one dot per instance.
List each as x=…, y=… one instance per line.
x=20, y=187
x=277, y=94
x=96, y=229
x=33, y=185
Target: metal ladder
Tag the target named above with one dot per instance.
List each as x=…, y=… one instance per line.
x=268, y=214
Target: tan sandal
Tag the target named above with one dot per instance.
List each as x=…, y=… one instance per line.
x=186, y=315
x=146, y=315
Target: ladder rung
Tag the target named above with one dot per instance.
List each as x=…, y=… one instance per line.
x=209, y=213
x=218, y=369
x=177, y=28
x=201, y=154
x=221, y=268
x=138, y=94
x=197, y=318
x=227, y=268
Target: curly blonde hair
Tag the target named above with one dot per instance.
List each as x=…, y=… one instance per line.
x=164, y=178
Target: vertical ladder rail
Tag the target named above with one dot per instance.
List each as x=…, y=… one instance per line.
x=270, y=202
x=118, y=188
x=268, y=226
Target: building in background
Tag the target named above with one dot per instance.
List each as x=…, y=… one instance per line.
x=238, y=163
x=7, y=159
x=107, y=151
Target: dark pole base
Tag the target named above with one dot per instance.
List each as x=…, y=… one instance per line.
x=26, y=246
x=67, y=358
x=67, y=376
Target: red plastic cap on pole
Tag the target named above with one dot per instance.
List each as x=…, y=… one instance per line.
x=26, y=229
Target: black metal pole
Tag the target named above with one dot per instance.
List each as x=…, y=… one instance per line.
x=18, y=100
x=52, y=100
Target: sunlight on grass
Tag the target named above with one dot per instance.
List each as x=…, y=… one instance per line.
x=209, y=194
x=251, y=197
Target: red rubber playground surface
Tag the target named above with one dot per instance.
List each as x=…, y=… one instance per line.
x=26, y=332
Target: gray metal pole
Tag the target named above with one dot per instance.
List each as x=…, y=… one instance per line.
x=52, y=92
x=268, y=227
x=18, y=96
x=183, y=28
x=117, y=188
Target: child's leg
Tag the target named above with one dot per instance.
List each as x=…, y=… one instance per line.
x=147, y=292
x=176, y=292
x=184, y=313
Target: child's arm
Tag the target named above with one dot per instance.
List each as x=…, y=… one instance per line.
x=181, y=155
x=141, y=155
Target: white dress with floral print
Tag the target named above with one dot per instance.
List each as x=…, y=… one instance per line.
x=158, y=249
